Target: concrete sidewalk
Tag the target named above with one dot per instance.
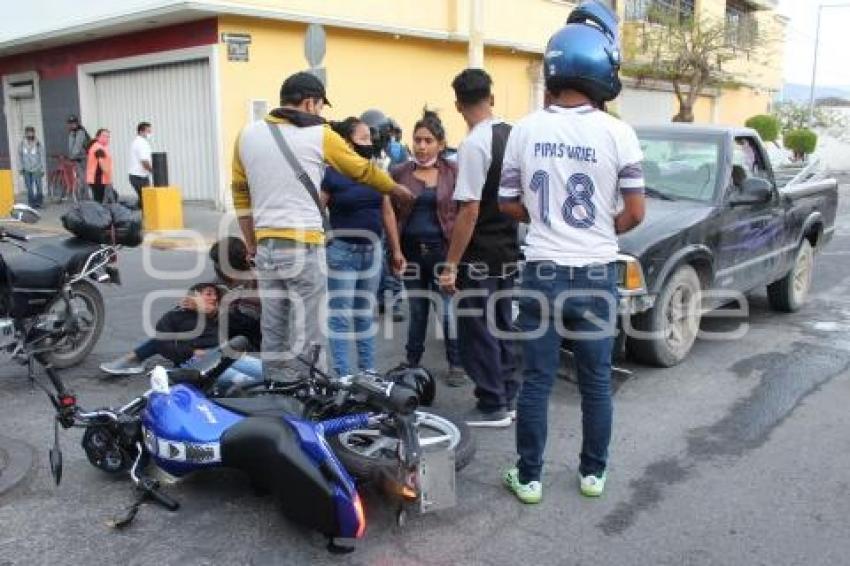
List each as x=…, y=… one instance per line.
x=203, y=225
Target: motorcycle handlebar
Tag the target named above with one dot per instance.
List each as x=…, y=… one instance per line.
x=395, y=398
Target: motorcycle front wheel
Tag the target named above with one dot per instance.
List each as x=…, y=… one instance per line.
x=87, y=302
x=369, y=453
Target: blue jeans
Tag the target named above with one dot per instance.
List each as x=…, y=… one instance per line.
x=247, y=370
x=33, y=183
x=423, y=290
x=581, y=300
x=390, y=287
x=354, y=272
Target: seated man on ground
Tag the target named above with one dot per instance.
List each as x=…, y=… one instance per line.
x=198, y=320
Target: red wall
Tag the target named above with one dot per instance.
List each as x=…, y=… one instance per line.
x=62, y=61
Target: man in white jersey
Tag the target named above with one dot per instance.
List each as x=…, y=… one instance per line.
x=565, y=169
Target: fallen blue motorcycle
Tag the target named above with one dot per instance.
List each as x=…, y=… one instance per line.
x=181, y=430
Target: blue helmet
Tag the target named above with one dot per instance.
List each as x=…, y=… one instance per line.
x=585, y=53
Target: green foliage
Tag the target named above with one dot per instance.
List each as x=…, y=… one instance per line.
x=802, y=141
x=766, y=126
x=795, y=115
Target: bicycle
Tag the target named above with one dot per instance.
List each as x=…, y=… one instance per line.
x=63, y=181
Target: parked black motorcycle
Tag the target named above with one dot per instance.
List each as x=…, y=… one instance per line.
x=49, y=305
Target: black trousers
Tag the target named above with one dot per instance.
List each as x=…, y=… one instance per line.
x=487, y=359
x=97, y=192
x=138, y=184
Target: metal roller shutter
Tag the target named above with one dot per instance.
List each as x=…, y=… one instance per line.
x=176, y=99
x=646, y=107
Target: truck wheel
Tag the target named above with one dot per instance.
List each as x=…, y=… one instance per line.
x=789, y=293
x=672, y=323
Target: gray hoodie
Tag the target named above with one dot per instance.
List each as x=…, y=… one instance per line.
x=30, y=156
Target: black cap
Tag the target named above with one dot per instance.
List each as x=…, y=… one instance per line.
x=301, y=86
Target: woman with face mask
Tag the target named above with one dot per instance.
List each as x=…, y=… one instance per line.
x=425, y=230
x=30, y=161
x=358, y=216
x=99, y=165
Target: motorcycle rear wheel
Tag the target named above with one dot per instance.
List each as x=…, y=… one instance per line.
x=71, y=350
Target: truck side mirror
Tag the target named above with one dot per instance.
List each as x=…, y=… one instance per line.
x=754, y=190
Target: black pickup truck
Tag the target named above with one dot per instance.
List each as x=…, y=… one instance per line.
x=716, y=226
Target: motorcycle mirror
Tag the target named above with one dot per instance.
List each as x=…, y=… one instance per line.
x=25, y=214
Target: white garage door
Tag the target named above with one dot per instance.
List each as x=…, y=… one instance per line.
x=176, y=99
x=646, y=107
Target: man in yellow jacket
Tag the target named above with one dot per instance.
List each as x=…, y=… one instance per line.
x=281, y=222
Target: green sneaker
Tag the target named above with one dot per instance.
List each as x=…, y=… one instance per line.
x=592, y=486
x=531, y=492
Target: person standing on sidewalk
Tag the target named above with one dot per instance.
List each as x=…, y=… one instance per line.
x=31, y=160
x=99, y=167
x=483, y=254
x=565, y=169
x=78, y=145
x=140, y=159
x=359, y=217
x=425, y=233
x=283, y=220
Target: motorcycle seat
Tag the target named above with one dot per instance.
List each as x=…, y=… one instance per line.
x=263, y=405
x=43, y=267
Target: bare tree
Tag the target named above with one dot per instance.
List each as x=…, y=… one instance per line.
x=689, y=53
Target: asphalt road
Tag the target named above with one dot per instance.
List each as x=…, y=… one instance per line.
x=737, y=456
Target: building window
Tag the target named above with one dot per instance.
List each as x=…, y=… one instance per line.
x=657, y=10
x=741, y=25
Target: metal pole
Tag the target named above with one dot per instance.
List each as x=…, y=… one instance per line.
x=814, y=72
x=815, y=63
x=476, y=35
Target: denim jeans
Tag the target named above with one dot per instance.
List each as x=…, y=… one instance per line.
x=247, y=370
x=582, y=302
x=390, y=287
x=33, y=183
x=423, y=290
x=354, y=271
x=292, y=281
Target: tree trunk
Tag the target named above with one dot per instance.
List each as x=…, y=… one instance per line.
x=685, y=114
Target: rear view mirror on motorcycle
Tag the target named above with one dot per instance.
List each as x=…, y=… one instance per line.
x=25, y=214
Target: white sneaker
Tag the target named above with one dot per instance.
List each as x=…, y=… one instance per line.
x=592, y=486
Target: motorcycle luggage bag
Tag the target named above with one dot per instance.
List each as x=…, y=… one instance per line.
x=104, y=224
x=268, y=450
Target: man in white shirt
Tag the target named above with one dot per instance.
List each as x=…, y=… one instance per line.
x=565, y=169
x=140, y=159
x=482, y=255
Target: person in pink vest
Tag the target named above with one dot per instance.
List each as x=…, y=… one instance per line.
x=99, y=165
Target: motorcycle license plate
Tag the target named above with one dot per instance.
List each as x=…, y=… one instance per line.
x=436, y=480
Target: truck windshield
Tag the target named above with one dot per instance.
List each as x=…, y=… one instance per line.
x=680, y=168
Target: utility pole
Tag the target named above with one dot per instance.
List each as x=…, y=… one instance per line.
x=476, y=34
x=815, y=63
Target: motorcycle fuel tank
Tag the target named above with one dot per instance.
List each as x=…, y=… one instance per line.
x=182, y=429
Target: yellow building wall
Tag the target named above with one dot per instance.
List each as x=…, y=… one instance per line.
x=539, y=18
x=737, y=105
x=703, y=110
x=365, y=70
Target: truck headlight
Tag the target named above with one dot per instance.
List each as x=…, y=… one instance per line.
x=630, y=273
